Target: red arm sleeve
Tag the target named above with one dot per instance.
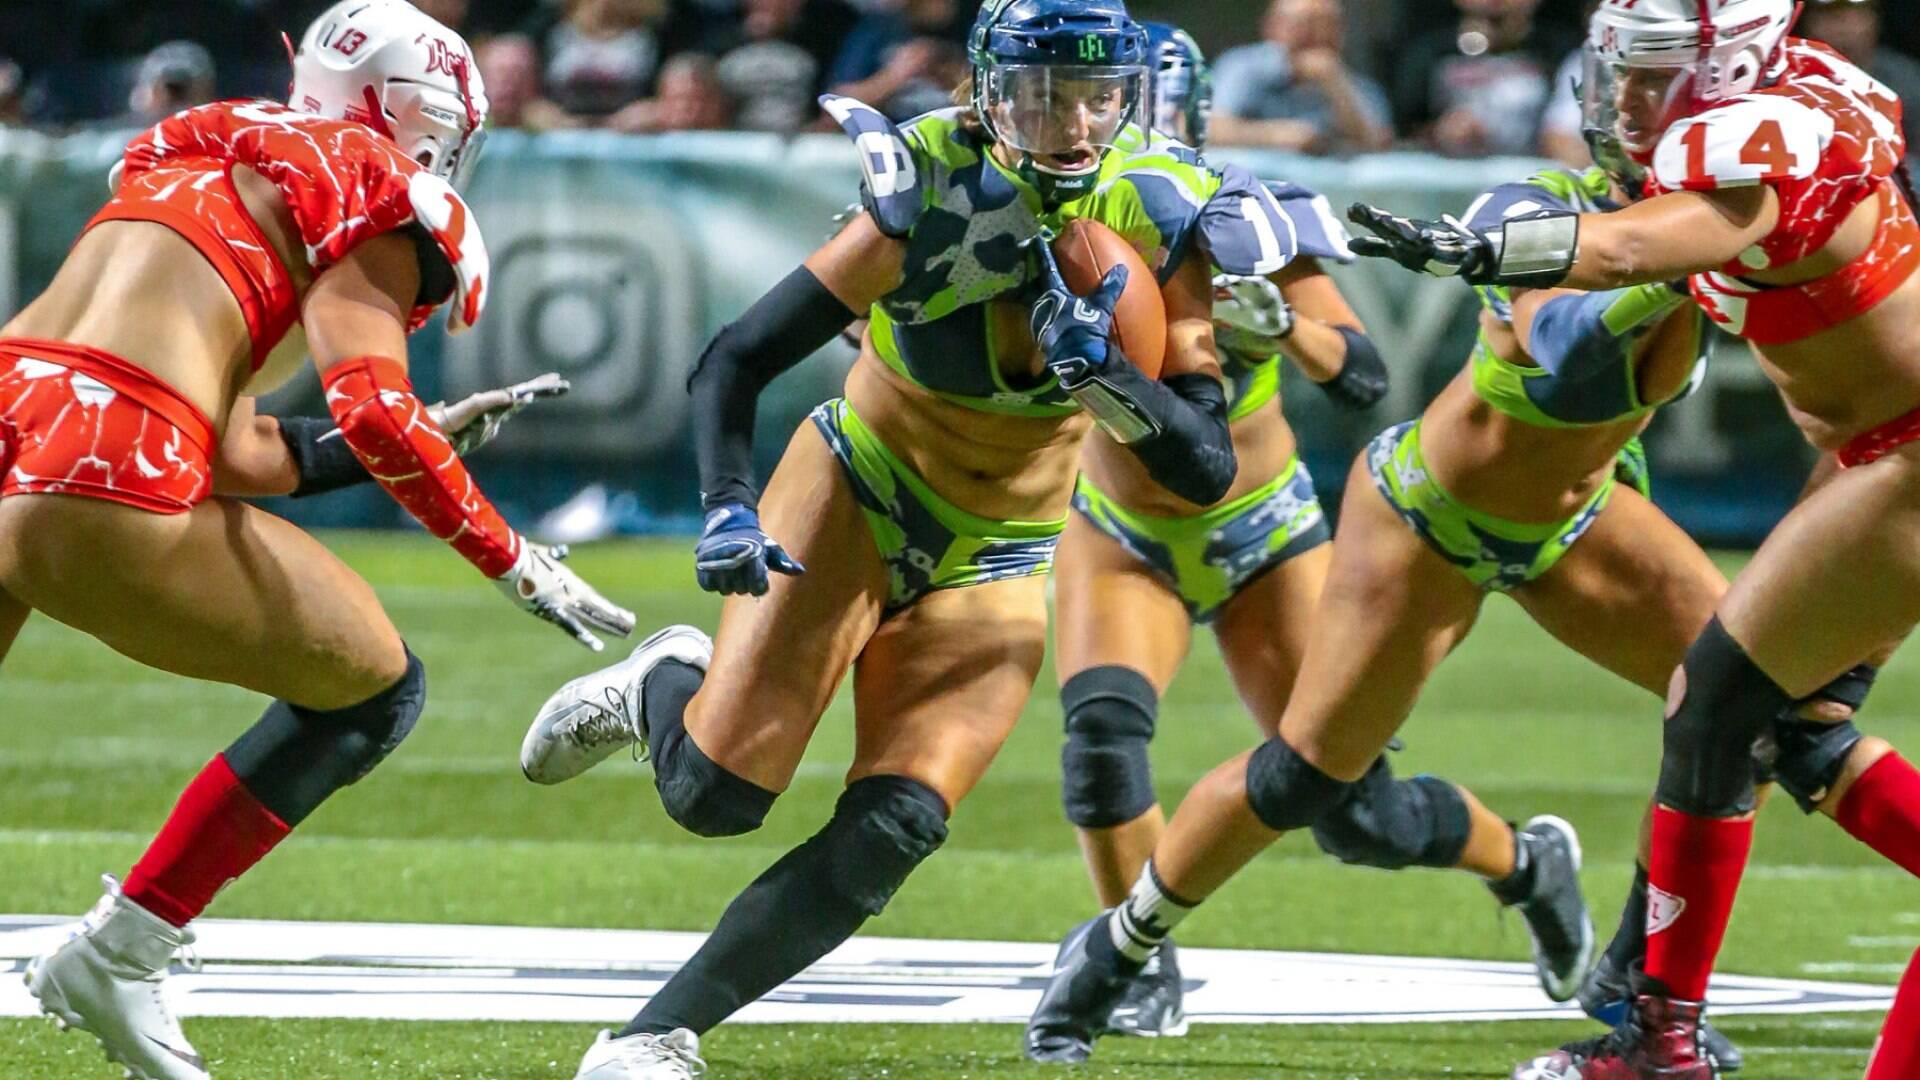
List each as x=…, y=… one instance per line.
x=388, y=429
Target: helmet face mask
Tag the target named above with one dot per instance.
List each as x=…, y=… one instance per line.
x=385, y=64
x=1057, y=82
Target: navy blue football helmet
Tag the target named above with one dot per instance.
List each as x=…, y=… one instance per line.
x=1180, y=84
x=1059, y=81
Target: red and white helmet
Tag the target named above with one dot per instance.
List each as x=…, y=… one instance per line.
x=387, y=64
x=1709, y=50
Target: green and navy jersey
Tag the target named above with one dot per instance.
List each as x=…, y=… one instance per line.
x=1533, y=394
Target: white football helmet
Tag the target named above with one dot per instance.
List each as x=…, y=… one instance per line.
x=386, y=64
x=1702, y=52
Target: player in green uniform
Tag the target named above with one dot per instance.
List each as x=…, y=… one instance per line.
x=924, y=505
x=1138, y=567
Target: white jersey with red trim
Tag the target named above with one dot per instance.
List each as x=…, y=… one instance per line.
x=1826, y=137
x=343, y=183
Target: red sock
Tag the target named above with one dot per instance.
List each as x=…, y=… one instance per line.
x=1897, y=1055
x=217, y=831
x=1882, y=811
x=1692, y=877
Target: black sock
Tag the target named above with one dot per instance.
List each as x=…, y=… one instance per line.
x=664, y=699
x=804, y=906
x=1629, y=942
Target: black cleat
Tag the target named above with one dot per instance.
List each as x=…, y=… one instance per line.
x=1606, y=995
x=1153, y=1003
x=1089, y=978
x=1549, y=900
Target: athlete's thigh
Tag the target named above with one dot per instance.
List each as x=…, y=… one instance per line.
x=1837, y=579
x=226, y=592
x=13, y=616
x=1264, y=630
x=778, y=658
x=941, y=684
x=1110, y=609
x=1630, y=595
x=1391, y=611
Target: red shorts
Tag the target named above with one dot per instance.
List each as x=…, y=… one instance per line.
x=77, y=421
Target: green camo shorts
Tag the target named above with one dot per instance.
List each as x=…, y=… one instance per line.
x=1494, y=553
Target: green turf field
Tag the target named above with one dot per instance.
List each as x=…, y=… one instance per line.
x=93, y=750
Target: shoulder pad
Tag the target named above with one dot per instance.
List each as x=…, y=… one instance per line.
x=891, y=184
x=1552, y=190
x=1318, y=232
x=1244, y=228
x=438, y=208
x=1758, y=139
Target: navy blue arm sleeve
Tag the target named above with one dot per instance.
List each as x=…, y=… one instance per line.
x=790, y=323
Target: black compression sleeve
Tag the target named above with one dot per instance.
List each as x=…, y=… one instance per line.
x=1193, y=454
x=787, y=325
x=323, y=459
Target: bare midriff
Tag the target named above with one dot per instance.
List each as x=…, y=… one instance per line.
x=143, y=293
x=1263, y=443
x=1849, y=379
x=1004, y=467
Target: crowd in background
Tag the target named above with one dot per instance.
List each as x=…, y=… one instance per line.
x=1464, y=78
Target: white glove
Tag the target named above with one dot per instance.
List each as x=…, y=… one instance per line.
x=1250, y=317
x=543, y=587
x=473, y=421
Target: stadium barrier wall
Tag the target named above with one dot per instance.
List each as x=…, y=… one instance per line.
x=615, y=258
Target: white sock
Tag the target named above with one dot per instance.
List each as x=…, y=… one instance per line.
x=1145, y=918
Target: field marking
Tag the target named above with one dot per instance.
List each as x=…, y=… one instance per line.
x=445, y=972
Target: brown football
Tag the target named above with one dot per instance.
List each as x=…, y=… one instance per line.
x=1086, y=250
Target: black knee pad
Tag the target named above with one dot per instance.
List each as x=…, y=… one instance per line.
x=1393, y=824
x=1850, y=689
x=1806, y=756
x=1105, y=777
x=295, y=757
x=1285, y=790
x=699, y=795
x=882, y=827
x=1726, y=703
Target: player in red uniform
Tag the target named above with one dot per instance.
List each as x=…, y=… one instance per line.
x=1776, y=190
x=232, y=224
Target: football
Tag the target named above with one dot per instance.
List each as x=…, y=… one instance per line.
x=1086, y=250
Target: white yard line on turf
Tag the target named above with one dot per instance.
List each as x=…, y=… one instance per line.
x=436, y=972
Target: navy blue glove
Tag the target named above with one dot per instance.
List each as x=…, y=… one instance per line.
x=733, y=555
x=1074, y=332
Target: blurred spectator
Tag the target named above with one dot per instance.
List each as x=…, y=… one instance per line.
x=510, y=70
x=1294, y=91
x=775, y=60
x=1560, y=135
x=690, y=99
x=451, y=14
x=1854, y=27
x=901, y=57
x=175, y=76
x=600, y=56
x=13, y=94
x=1479, y=86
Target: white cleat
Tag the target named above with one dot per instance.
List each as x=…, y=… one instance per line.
x=585, y=721
x=673, y=1056
x=106, y=980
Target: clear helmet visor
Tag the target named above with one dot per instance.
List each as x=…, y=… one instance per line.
x=1064, y=116
x=1173, y=90
x=1632, y=104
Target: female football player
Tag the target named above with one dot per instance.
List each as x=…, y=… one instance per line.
x=1138, y=566
x=231, y=223
x=1776, y=188
x=924, y=505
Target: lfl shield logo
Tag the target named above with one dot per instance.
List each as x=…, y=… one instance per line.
x=1663, y=909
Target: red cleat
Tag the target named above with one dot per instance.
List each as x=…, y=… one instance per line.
x=1659, y=1040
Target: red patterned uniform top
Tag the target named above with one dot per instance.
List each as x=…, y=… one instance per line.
x=343, y=183
x=1825, y=138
